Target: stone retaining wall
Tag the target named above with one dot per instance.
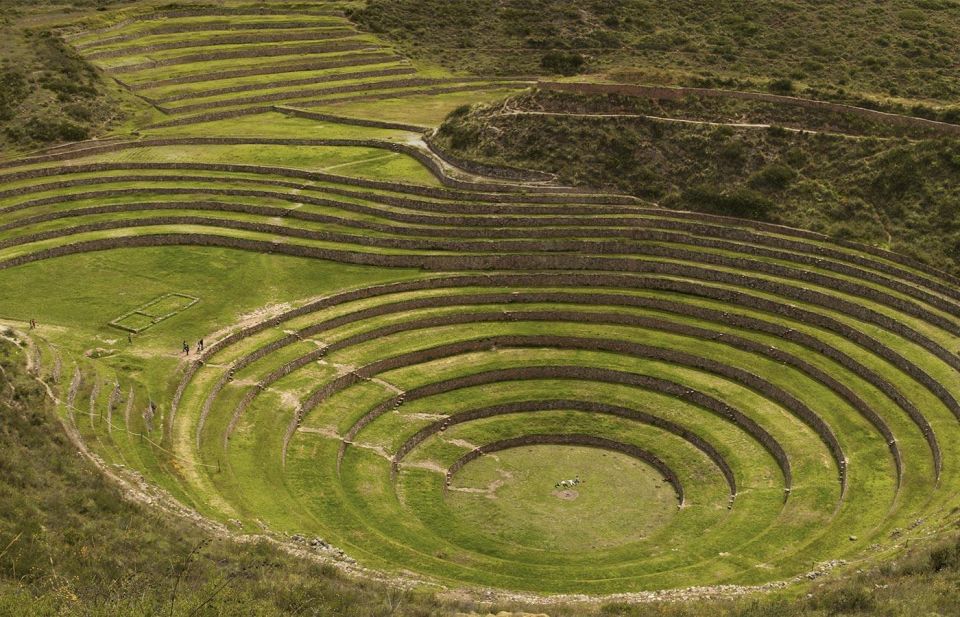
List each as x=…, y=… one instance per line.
x=811, y=318
x=204, y=12
x=839, y=284
x=342, y=382
x=767, y=389
x=315, y=79
x=737, y=234
x=586, y=406
x=470, y=229
x=220, y=11
x=475, y=167
x=605, y=300
x=183, y=27
x=367, y=336
x=540, y=372
x=344, y=60
x=618, y=299
x=576, y=440
x=484, y=192
x=810, y=235
x=249, y=52
x=252, y=393
x=750, y=346
x=570, y=245
x=738, y=230
x=661, y=386
x=285, y=95
x=229, y=39
x=327, y=101
x=225, y=378
x=776, y=287
x=477, y=206
x=738, y=298
x=563, y=262
x=322, y=117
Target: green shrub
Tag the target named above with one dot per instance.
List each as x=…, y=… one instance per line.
x=951, y=114
x=79, y=112
x=461, y=111
x=562, y=62
x=773, y=177
x=945, y=557
x=461, y=136
x=782, y=86
x=66, y=89
x=897, y=173
x=739, y=202
x=46, y=130
x=849, y=599
x=13, y=90
x=733, y=153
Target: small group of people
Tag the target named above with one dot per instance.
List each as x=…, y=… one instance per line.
x=33, y=324
x=568, y=483
x=186, y=348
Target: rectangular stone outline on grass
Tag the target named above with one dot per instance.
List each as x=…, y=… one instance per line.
x=154, y=319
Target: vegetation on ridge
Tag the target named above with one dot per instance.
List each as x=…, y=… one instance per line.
x=904, y=49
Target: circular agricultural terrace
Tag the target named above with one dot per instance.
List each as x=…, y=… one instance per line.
x=720, y=426
x=735, y=402
x=554, y=391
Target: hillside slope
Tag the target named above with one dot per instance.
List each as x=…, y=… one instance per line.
x=901, y=49
x=49, y=93
x=833, y=173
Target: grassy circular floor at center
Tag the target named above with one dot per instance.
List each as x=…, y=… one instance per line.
x=513, y=497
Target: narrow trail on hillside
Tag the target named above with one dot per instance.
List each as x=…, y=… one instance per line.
x=737, y=125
